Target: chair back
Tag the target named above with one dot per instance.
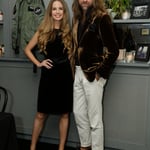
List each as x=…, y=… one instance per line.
x=3, y=99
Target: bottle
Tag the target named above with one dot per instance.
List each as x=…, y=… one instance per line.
x=129, y=42
x=1, y=15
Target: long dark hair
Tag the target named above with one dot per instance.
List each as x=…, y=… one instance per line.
x=98, y=8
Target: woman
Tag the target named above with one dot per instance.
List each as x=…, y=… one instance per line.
x=55, y=95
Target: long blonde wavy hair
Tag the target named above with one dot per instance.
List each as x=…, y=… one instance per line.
x=46, y=28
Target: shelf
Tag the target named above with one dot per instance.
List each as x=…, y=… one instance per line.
x=131, y=21
x=13, y=59
x=134, y=64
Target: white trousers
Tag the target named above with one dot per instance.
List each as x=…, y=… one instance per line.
x=88, y=110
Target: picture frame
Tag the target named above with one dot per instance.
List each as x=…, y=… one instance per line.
x=140, y=11
x=145, y=31
x=142, y=52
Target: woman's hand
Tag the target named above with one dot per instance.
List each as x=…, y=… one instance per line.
x=47, y=63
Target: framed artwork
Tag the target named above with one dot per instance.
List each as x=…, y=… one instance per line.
x=142, y=52
x=140, y=11
x=145, y=32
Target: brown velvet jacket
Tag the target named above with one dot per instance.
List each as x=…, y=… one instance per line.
x=97, y=49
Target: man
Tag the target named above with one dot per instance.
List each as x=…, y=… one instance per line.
x=94, y=53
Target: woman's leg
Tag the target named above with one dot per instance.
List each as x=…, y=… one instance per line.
x=37, y=128
x=63, y=130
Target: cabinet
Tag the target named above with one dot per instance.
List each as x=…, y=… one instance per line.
x=127, y=109
x=133, y=33
x=127, y=102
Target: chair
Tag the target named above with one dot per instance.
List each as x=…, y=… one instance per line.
x=8, y=139
x=3, y=98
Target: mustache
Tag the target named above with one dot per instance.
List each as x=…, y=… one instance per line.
x=85, y=2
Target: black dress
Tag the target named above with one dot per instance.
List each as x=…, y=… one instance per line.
x=55, y=95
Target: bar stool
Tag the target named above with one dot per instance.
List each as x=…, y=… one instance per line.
x=3, y=98
x=8, y=139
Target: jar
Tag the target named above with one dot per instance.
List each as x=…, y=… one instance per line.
x=1, y=15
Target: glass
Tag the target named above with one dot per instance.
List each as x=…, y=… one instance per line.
x=130, y=56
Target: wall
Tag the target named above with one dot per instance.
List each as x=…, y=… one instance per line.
x=5, y=31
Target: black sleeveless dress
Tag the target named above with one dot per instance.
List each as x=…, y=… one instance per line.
x=55, y=94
